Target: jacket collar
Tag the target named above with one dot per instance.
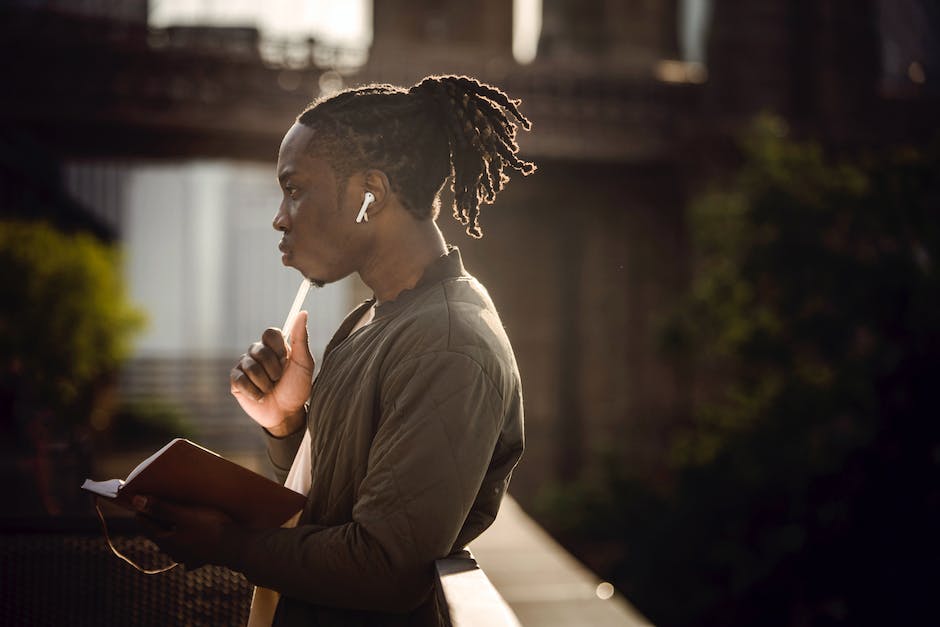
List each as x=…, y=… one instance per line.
x=447, y=266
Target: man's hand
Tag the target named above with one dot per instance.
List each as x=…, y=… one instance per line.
x=272, y=380
x=189, y=535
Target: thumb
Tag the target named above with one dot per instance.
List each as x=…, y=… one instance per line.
x=299, y=342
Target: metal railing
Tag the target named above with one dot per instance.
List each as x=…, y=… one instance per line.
x=60, y=571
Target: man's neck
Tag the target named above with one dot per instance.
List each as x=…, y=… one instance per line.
x=400, y=261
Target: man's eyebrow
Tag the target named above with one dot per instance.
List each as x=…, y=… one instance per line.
x=284, y=175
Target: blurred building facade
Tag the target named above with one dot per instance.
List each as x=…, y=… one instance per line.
x=111, y=127
x=585, y=258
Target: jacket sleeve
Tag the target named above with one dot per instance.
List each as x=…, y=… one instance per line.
x=281, y=451
x=439, y=422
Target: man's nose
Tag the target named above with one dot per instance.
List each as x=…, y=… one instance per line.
x=281, y=219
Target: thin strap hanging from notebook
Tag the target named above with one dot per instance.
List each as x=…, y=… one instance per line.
x=107, y=536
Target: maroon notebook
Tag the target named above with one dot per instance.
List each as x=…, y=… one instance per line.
x=189, y=474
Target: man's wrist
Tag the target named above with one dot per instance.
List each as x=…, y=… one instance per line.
x=290, y=425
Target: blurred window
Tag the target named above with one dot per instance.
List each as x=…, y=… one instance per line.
x=526, y=28
x=910, y=50
x=694, y=21
x=333, y=22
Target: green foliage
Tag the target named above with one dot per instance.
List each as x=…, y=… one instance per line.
x=809, y=274
x=149, y=421
x=805, y=484
x=65, y=322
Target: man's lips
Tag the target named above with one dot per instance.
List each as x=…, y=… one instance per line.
x=285, y=252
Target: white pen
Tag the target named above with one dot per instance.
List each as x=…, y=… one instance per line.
x=295, y=309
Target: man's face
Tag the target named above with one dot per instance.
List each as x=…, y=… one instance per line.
x=317, y=222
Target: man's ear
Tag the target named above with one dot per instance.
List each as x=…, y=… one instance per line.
x=376, y=181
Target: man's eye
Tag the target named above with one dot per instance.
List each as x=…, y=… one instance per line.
x=292, y=192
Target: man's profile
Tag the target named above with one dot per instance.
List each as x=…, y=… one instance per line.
x=414, y=423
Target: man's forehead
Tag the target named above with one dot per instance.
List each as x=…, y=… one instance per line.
x=295, y=157
x=293, y=152
x=296, y=139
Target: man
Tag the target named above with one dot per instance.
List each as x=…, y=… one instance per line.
x=415, y=419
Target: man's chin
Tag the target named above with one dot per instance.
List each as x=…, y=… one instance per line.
x=314, y=281
x=287, y=261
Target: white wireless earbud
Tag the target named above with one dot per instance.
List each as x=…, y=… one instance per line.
x=366, y=201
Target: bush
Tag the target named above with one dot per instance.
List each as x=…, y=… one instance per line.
x=805, y=488
x=148, y=422
x=65, y=323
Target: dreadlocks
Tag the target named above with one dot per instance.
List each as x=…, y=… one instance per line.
x=443, y=126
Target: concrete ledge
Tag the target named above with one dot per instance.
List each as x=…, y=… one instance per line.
x=543, y=583
x=467, y=597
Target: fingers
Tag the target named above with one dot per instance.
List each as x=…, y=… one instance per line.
x=300, y=348
x=165, y=538
x=259, y=370
x=243, y=383
x=162, y=512
x=181, y=531
x=272, y=363
x=274, y=340
x=153, y=527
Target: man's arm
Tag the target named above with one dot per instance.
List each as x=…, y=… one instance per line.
x=282, y=450
x=440, y=421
